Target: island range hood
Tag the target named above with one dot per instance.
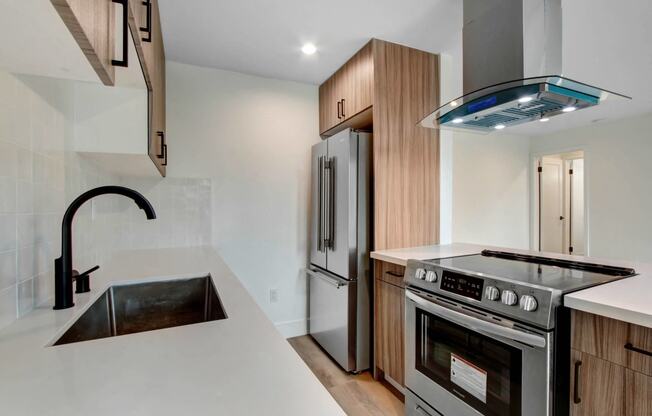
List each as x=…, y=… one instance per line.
x=512, y=66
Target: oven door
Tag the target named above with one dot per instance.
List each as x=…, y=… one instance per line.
x=466, y=362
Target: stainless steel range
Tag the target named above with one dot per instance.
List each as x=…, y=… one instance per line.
x=487, y=334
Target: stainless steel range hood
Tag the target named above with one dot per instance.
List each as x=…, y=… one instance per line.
x=512, y=52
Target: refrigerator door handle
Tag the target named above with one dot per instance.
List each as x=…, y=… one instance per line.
x=330, y=189
x=320, y=227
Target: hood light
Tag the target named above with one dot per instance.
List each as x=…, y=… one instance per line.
x=569, y=109
x=453, y=104
x=499, y=126
x=525, y=99
x=543, y=120
x=458, y=120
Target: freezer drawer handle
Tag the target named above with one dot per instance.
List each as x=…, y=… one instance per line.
x=422, y=411
x=331, y=281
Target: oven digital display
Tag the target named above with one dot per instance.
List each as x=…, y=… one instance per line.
x=463, y=285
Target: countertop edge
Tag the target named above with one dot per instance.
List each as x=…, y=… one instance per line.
x=608, y=311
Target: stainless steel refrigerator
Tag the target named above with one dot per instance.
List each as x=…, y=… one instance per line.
x=339, y=271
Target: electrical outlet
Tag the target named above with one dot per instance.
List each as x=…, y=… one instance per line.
x=273, y=295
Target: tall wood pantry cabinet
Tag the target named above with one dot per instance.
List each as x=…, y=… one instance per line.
x=389, y=88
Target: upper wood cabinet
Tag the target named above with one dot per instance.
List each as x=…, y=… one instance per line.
x=348, y=92
x=145, y=19
x=92, y=25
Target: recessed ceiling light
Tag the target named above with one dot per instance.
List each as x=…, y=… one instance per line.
x=458, y=120
x=453, y=103
x=499, y=126
x=308, y=49
x=569, y=109
x=543, y=120
x=526, y=99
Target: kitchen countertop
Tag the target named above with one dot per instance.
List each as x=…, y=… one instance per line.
x=626, y=300
x=237, y=366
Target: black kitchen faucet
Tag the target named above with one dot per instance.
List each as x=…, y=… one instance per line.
x=63, y=271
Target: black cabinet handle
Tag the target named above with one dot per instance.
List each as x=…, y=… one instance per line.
x=162, y=136
x=391, y=273
x=343, y=116
x=124, y=62
x=338, y=109
x=576, y=388
x=148, y=28
x=165, y=153
x=631, y=347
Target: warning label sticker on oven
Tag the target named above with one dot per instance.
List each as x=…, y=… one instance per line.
x=469, y=377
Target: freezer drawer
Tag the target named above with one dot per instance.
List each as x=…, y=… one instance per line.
x=332, y=316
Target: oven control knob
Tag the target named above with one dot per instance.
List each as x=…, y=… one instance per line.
x=509, y=297
x=420, y=274
x=492, y=293
x=529, y=303
x=431, y=276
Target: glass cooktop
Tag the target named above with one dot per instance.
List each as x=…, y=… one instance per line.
x=563, y=275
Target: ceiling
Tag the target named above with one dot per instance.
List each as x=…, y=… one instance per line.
x=264, y=37
x=608, y=48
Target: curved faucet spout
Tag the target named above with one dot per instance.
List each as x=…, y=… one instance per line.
x=63, y=270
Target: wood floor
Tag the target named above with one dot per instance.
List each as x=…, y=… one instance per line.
x=359, y=395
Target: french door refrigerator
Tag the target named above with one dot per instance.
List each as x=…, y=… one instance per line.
x=339, y=271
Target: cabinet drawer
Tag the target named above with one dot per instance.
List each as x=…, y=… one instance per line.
x=390, y=273
x=619, y=342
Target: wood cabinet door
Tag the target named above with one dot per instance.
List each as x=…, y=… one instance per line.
x=390, y=312
x=152, y=54
x=328, y=105
x=638, y=394
x=158, y=149
x=598, y=387
x=357, y=81
x=92, y=25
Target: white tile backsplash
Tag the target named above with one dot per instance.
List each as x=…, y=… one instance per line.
x=40, y=175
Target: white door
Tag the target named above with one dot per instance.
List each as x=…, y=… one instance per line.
x=551, y=215
x=576, y=207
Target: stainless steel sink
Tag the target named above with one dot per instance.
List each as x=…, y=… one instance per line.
x=127, y=309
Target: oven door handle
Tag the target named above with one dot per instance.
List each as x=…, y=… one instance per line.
x=477, y=324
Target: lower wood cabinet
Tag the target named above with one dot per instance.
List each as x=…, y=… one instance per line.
x=389, y=323
x=611, y=367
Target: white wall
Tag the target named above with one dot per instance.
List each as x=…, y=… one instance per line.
x=40, y=175
x=252, y=136
x=490, y=189
x=617, y=159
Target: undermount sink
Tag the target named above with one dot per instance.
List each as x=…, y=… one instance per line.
x=140, y=307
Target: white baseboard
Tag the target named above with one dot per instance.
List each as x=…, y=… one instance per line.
x=294, y=328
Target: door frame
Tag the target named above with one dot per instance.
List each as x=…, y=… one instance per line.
x=535, y=158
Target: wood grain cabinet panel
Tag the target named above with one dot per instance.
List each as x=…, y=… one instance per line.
x=638, y=394
x=92, y=25
x=640, y=357
x=389, y=273
x=600, y=388
x=619, y=342
x=406, y=155
x=390, y=311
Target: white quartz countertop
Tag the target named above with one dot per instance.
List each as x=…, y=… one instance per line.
x=237, y=366
x=628, y=300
